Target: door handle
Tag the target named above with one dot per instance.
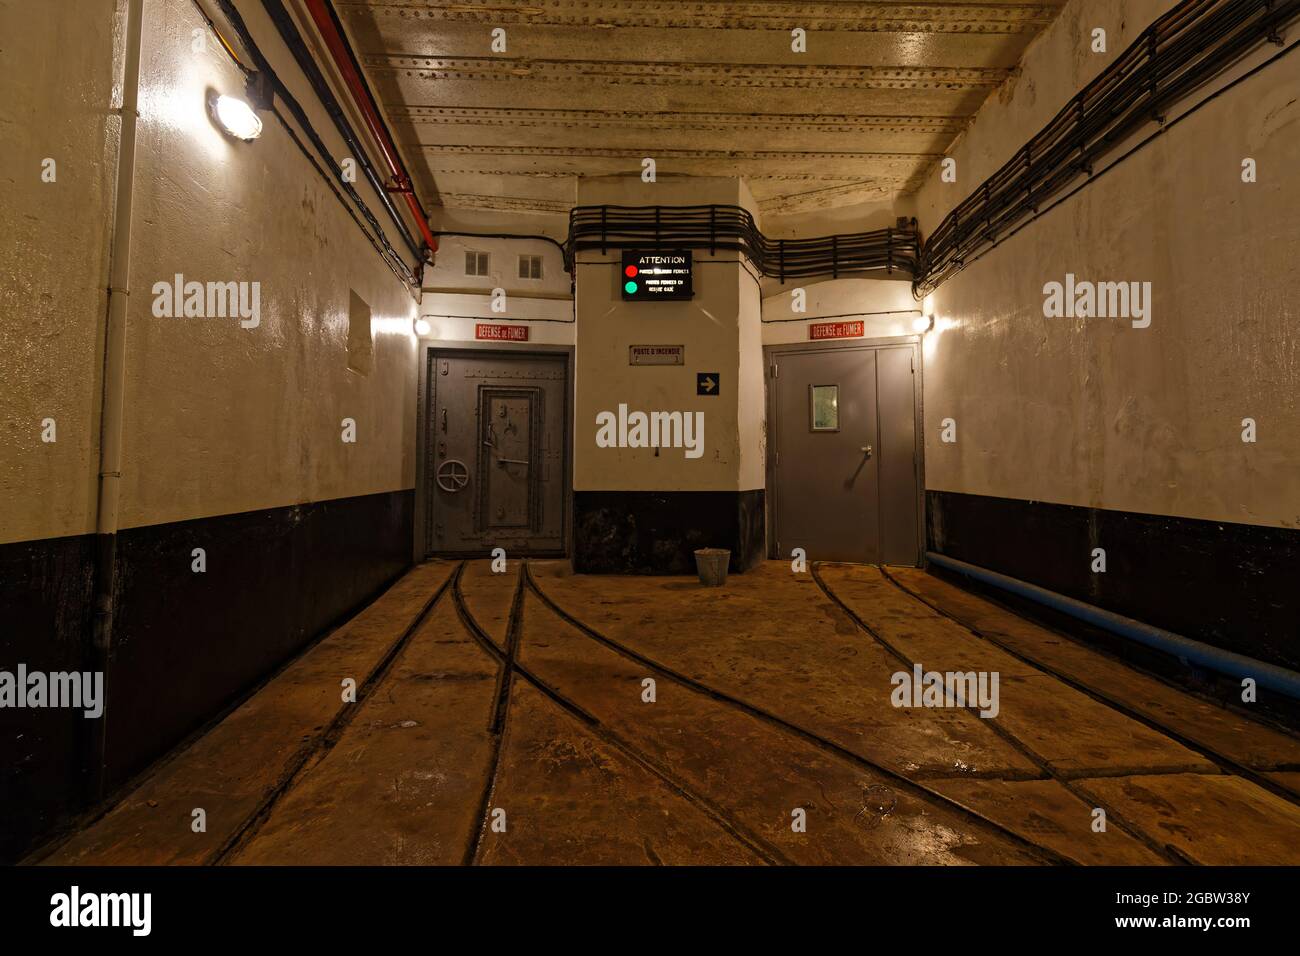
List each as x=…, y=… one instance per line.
x=866, y=450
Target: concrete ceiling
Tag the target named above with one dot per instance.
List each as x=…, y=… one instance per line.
x=590, y=87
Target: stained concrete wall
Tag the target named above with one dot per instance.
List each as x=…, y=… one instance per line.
x=751, y=389
x=1094, y=412
x=232, y=436
x=646, y=509
x=260, y=408
x=1075, y=435
x=885, y=307
x=454, y=304
x=59, y=78
x=447, y=274
x=788, y=219
x=719, y=329
x=220, y=419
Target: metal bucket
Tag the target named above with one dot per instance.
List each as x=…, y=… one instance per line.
x=711, y=565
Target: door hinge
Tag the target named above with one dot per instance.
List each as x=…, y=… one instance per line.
x=776, y=458
x=913, y=363
x=774, y=370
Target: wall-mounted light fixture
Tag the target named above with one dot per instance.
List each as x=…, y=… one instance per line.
x=422, y=327
x=923, y=323
x=236, y=117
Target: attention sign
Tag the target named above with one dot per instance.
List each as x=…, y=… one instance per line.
x=660, y=274
x=500, y=333
x=836, y=330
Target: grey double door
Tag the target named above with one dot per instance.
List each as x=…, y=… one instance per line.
x=844, y=453
x=495, y=452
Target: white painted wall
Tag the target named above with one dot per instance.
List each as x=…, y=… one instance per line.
x=827, y=220
x=447, y=275
x=720, y=331
x=57, y=76
x=1096, y=412
x=219, y=419
x=446, y=331
x=751, y=389
x=454, y=304
x=884, y=307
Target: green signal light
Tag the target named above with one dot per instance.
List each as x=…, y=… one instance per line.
x=629, y=287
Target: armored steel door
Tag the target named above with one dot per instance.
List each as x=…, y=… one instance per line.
x=496, y=450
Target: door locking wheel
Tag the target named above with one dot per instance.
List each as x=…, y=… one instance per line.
x=452, y=475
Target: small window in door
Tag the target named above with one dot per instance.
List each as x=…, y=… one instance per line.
x=530, y=267
x=476, y=263
x=824, y=407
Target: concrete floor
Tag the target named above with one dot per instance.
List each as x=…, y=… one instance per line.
x=771, y=696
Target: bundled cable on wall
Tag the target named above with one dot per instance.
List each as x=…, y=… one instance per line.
x=887, y=252
x=1191, y=45
x=321, y=160
x=1188, y=47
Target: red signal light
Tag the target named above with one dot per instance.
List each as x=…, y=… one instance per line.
x=630, y=271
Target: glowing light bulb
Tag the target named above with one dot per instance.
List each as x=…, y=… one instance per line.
x=237, y=118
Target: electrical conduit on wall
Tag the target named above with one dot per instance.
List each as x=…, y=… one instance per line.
x=110, y=428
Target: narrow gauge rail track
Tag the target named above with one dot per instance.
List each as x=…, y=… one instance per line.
x=914, y=787
x=1167, y=851
x=1225, y=762
x=306, y=757
x=507, y=658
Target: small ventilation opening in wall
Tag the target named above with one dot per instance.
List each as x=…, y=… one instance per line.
x=361, y=346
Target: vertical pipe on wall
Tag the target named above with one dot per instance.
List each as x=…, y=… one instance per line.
x=110, y=424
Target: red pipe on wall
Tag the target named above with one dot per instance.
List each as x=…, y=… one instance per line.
x=322, y=16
